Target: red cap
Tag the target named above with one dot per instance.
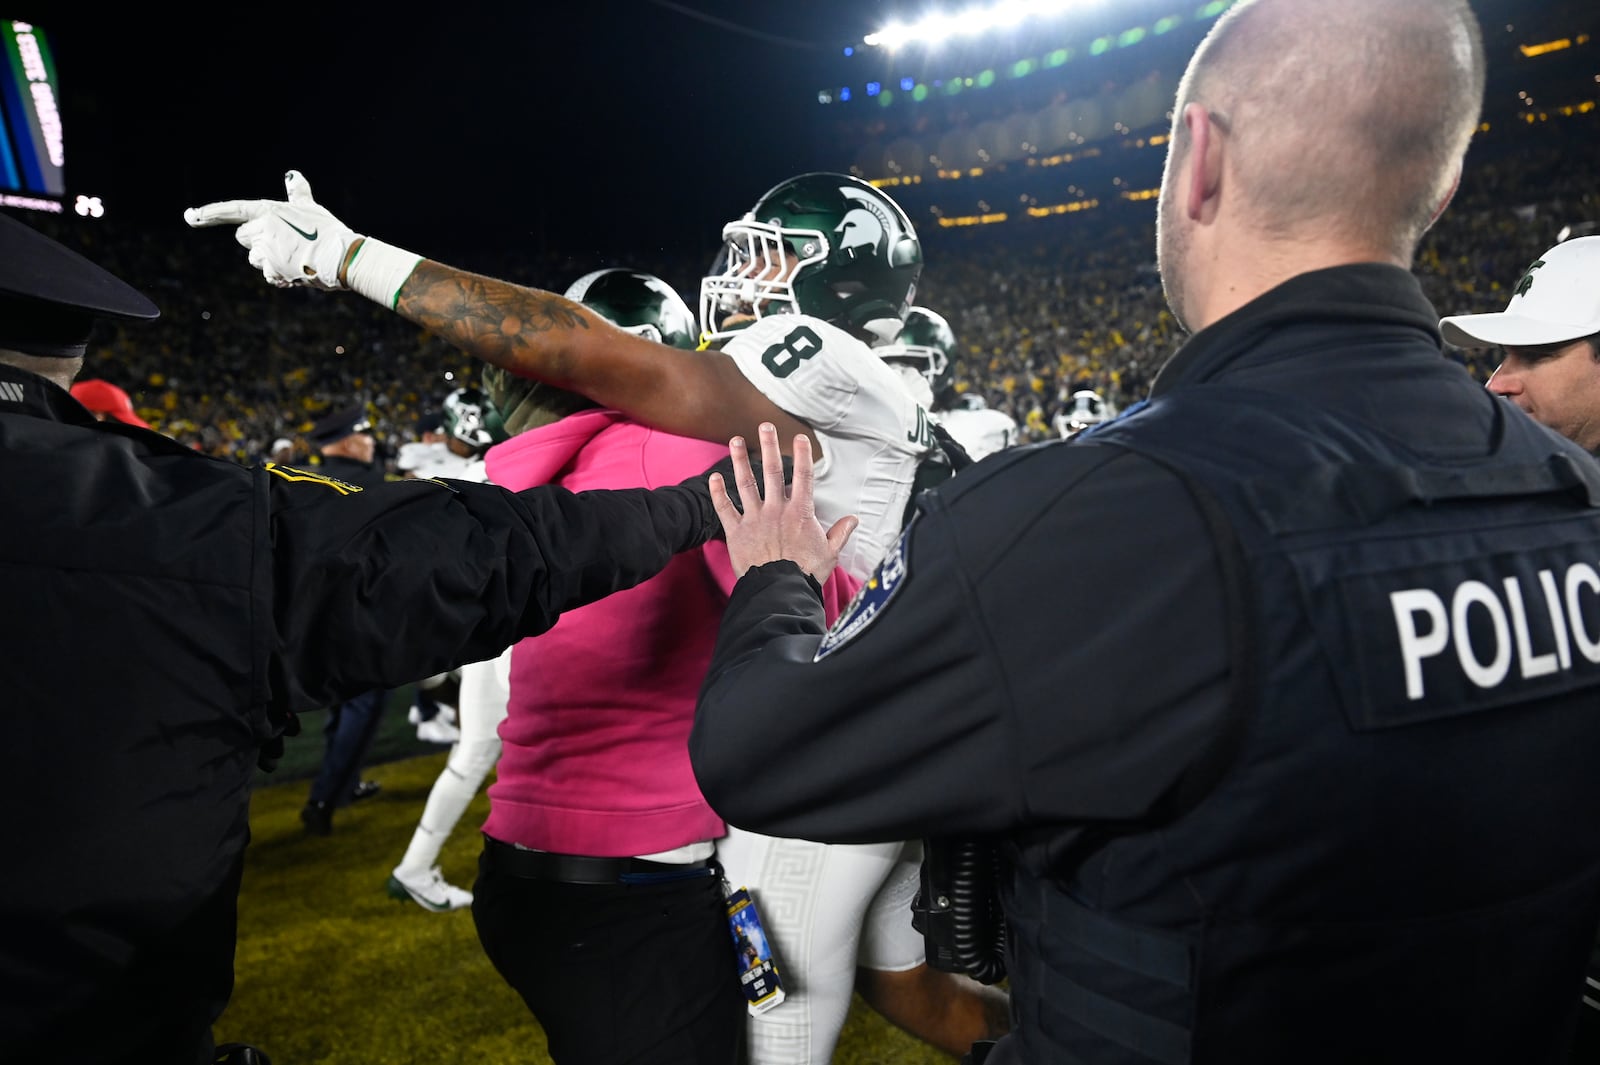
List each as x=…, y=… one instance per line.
x=103, y=397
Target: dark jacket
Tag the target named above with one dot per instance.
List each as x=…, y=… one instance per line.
x=360, y=474
x=1058, y=653
x=165, y=614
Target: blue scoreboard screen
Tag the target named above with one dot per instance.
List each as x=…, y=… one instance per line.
x=32, y=155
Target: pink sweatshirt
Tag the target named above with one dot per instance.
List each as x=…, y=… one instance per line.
x=596, y=756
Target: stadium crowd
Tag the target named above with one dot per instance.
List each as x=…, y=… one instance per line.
x=1074, y=304
x=1083, y=307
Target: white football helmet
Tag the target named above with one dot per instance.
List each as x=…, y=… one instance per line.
x=1086, y=407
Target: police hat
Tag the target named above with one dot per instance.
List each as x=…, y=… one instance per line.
x=334, y=427
x=50, y=295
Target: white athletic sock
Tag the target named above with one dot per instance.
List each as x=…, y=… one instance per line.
x=446, y=803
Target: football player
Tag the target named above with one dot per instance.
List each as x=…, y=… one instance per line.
x=1084, y=408
x=469, y=424
x=924, y=353
x=921, y=353
x=819, y=269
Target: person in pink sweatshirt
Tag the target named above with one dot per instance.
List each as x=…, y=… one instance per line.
x=599, y=896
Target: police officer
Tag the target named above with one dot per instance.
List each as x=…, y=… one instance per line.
x=165, y=615
x=1311, y=798
x=346, y=451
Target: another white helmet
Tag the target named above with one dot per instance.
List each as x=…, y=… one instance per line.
x=1086, y=407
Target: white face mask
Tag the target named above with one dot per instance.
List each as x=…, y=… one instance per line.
x=758, y=278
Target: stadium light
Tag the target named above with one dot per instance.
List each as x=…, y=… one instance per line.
x=975, y=20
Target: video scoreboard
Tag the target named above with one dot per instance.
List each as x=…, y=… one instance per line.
x=33, y=154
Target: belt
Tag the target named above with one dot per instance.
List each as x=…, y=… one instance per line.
x=583, y=869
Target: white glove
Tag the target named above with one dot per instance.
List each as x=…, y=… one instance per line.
x=295, y=243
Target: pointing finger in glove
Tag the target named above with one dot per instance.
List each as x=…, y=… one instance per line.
x=226, y=213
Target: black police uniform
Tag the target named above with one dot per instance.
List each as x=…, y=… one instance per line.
x=165, y=613
x=334, y=427
x=341, y=468
x=1280, y=692
x=350, y=726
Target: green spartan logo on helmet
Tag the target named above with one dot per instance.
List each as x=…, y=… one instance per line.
x=874, y=255
x=472, y=418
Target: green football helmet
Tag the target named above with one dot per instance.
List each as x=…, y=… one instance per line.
x=928, y=343
x=471, y=418
x=638, y=302
x=825, y=245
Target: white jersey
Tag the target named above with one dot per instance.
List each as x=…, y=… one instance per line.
x=472, y=469
x=915, y=383
x=873, y=433
x=437, y=460
x=417, y=454
x=831, y=907
x=980, y=432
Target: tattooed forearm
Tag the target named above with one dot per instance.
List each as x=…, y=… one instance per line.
x=501, y=323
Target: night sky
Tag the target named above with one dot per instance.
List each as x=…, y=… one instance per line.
x=596, y=125
x=617, y=123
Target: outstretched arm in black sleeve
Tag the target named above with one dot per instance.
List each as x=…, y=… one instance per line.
x=1042, y=647
x=786, y=718
x=377, y=587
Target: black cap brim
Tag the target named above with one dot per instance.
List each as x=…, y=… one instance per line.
x=35, y=267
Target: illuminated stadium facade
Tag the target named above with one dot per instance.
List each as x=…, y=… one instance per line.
x=1023, y=111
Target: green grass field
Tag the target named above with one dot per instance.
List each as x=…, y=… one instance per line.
x=331, y=971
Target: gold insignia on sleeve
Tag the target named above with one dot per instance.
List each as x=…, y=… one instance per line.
x=290, y=473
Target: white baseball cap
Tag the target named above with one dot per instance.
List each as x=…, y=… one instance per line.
x=1556, y=300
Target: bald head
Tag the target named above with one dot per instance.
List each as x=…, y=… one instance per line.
x=1348, y=120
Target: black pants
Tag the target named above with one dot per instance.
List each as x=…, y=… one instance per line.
x=641, y=974
x=350, y=730
x=160, y=1007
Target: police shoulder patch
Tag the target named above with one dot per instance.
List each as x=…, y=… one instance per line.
x=872, y=599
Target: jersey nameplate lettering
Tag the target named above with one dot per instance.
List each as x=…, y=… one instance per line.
x=871, y=600
x=1455, y=638
x=922, y=435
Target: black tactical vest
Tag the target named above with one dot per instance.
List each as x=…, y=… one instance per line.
x=1387, y=860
